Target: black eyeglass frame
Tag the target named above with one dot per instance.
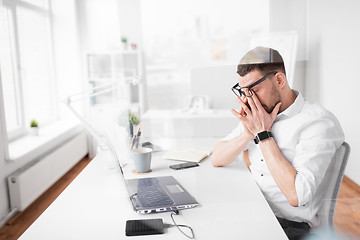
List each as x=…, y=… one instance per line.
x=241, y=92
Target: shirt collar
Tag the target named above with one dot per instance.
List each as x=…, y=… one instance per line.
x=294, y=108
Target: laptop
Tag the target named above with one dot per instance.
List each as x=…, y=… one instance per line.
x=157, y=194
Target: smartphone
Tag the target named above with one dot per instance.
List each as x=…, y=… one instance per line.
x=147, y=144
x=184, y=165
x=144, y=227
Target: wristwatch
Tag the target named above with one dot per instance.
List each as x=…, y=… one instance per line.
x=262, y=136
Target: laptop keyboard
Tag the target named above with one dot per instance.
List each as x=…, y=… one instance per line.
x=151, y=194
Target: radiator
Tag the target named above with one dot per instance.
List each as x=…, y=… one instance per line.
x=29, y=183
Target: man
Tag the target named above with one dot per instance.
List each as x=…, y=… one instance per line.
x=290, y=141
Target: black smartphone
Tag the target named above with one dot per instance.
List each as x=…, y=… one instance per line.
x=147, y=144
x=144, y=227
x=184, y=165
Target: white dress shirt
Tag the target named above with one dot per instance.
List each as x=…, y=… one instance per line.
x=308, y=136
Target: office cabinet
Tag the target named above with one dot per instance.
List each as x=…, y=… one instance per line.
x=124, y=66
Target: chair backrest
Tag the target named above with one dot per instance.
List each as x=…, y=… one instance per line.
x=332, y=184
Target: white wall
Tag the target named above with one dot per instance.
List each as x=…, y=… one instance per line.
x=99, y=25
x=4, y=200
x=180, y=35
x=290, y=15
x=327, y=71
x=66, y=51
x=129, y=13
x=333, y=76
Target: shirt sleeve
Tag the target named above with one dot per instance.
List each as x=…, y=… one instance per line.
x=236, y=132
x=317, y=145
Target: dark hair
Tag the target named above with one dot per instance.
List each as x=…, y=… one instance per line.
x=243, y=69
x=262, y=59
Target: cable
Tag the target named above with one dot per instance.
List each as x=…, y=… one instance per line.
x=180, y=225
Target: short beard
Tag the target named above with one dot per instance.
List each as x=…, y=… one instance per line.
x=276, y=98
x=269, y=110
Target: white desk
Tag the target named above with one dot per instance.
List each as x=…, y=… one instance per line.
x=95, y=205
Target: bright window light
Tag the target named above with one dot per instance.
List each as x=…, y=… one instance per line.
x=36, y=65
x=8, y=73
x=26, y=59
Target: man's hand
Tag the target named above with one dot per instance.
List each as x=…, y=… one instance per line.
x=242, y=113
x=255, y=119
x=253, y=116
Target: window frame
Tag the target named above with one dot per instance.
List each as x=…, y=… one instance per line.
x=12, y=6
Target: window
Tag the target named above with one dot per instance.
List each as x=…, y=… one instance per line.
x=26, y=59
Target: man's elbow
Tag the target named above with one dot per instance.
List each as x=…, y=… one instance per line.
x=215, y=162
x=217, y=165
x=293, y=201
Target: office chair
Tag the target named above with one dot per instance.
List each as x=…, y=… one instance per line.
x=332, y=185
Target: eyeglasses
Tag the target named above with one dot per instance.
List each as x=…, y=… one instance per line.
x=239, y=91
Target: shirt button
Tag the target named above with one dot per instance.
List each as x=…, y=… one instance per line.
x=262, y=160
x=262, y=175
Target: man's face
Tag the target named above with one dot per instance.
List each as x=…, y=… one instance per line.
x=266, y=91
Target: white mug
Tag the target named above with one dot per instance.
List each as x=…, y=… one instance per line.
x=142, y=159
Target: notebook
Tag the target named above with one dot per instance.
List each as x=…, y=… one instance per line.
x=188, y=155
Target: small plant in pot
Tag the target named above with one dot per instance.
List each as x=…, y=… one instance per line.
x=124, y=42
x=133, y=121
x=34, y=128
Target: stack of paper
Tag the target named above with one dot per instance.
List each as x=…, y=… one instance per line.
x=189, y=155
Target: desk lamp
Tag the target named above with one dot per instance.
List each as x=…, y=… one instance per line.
x=101, y=137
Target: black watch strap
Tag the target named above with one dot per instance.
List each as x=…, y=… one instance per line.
x=262, y=136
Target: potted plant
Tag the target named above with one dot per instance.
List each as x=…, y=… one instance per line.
x=34, y=129
x=124, y=43
x=133, y=121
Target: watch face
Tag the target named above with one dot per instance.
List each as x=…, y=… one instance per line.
x=263, y=135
